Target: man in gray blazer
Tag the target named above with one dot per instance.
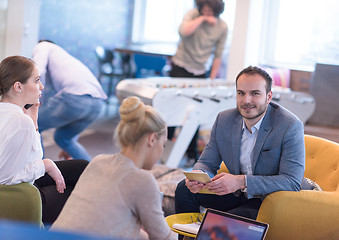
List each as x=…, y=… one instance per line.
x=262, y=145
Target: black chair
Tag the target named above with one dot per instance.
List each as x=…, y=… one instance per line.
x=127, y=65
x=107, y=68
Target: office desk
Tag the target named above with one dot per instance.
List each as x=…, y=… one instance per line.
x=146, y=60
x=162, y=50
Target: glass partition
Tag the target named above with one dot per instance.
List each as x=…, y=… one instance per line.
x=3, y=24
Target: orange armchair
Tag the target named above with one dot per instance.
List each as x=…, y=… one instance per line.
x=307, y=214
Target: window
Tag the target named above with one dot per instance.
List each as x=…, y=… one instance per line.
x=297, y=34
x=301, y=33
x=157, y=21
x=228, y=16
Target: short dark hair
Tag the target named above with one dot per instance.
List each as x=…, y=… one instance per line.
x=217, y=6
x=46, y=40
x=256, y=70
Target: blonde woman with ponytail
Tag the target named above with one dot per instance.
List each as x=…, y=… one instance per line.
x=116, y=196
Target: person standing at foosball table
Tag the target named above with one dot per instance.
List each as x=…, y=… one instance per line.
x=202, y=34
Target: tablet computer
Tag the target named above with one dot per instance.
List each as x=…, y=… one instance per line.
x=201, y=177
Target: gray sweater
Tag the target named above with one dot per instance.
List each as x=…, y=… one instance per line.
x=193, y=51
x=114, y=198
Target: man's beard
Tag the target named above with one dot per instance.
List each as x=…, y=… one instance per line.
x=260, y=111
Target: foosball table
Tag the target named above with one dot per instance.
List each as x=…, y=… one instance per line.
x=190, y=103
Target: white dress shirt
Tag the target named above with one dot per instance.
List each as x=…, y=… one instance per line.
x=20, y=147
x=248, y=140
x=66, y=73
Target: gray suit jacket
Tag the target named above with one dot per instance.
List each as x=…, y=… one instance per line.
x=278, y=156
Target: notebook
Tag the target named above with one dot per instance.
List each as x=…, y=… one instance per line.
x=188, y=227
x=221, y=225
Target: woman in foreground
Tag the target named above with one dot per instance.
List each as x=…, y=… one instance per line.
x=20, y=145
x=115, y=197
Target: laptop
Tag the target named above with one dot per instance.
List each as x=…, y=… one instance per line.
x=222, y=225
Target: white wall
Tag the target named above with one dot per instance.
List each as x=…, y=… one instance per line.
x=3, y=29
x=22, y=31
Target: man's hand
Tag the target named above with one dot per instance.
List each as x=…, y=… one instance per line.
x=194, y=186
x=55, y=173
x=225, y=183
x=211, y=20
x=189, y=27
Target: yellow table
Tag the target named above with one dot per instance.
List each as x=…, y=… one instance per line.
x=182, y=218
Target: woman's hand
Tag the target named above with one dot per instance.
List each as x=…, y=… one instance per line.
x=33, y=113
x=55, y=173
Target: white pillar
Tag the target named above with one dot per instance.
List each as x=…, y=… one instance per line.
x=246, y=42
x=22, y=31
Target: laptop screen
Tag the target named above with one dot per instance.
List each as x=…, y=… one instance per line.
x=221, y=225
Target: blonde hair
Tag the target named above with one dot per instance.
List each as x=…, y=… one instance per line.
x=137, y=119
